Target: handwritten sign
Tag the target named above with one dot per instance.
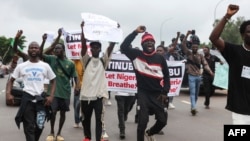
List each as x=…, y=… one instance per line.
x=221, y=75
x=98, y=27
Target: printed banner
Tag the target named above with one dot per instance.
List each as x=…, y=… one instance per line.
x=176, y=72
x=121, y=77
x=73, y=45
x=120, y=74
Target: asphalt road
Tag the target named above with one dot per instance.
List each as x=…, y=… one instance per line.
x=182, y=126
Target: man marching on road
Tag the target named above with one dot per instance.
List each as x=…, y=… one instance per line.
x=237, y=57
x=151, y=72
x=94, y=87
x=33, y=110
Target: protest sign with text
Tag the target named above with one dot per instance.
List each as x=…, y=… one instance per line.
x=121, y=77
x=98, y=27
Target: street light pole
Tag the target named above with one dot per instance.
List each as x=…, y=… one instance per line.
x=216, y=9
x=162, y=27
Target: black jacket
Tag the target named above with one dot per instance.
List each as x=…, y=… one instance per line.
x=39, y=106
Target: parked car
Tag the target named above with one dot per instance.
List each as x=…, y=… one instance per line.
x=2, y=72
x=17, y=89
x=17, y=92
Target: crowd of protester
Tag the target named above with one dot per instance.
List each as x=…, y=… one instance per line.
x=41, y=102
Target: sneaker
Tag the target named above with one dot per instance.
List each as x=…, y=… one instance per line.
x=59, y=138
x=193, y=112
x=149, y=138
x=105, y=135
x=86, y=139
x=108, y=102
x=207, y=107
x=122, y=135
x=50, y=137
x=171, y=106
x=76, y=125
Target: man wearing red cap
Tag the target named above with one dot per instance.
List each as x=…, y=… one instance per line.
x=153, y=83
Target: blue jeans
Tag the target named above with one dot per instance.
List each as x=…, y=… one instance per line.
x=77, y=109
x=194, y=88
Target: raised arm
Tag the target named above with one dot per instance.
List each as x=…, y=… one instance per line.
x=184, y=43
x=110, y=48
x=42, y=45
x=216, y=33
x=127, y=41
x=83, y=41
x=15, y=49
x=173, y=46
x=50, y=49
x=17, y=37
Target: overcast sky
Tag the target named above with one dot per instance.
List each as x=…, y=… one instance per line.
x=162, y=18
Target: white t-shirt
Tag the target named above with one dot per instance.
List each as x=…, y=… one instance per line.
x=94, y=79
x=33, y=76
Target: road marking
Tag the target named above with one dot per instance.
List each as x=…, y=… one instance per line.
x=187, y=102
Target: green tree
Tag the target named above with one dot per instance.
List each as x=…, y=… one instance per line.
x=6, y=47
x=231, y=31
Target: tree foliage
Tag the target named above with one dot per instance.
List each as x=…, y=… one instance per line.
x=231, y=31
x=6, y=45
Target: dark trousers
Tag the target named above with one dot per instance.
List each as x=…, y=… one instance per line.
x=87, y=108
x=31, y=131
x=124, y=104
x=209, y=88
x=148, y=104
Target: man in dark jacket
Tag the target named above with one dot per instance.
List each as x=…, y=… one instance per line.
x=153, y=82
x=209, y=88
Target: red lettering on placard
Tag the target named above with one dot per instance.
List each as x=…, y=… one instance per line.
x=73, y=53
x=72, y=46
x=173, y=90
x=110, y=76
x=121, y=85
x=175, y=82
x=125, y=77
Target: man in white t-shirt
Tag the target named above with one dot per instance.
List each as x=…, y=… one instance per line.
x=34, y=105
